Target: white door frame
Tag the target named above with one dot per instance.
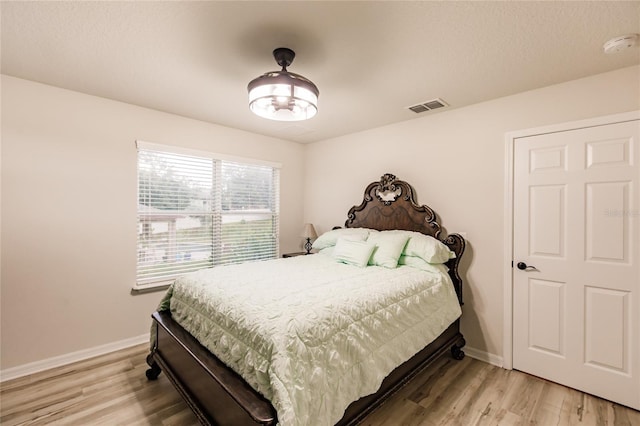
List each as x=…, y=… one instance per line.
x=510, y=140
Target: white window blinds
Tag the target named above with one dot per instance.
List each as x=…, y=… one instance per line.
x=196, y=211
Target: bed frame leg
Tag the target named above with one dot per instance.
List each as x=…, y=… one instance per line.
x=456, y=349
x=153, y=372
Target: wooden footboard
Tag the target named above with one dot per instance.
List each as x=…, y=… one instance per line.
x=217, y=395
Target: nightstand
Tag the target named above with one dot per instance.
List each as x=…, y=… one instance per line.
x=298, y=253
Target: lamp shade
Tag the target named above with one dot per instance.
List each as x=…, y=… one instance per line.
x=283, y=95
x=309, y=231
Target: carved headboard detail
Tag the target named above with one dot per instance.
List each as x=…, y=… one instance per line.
x=390, y=204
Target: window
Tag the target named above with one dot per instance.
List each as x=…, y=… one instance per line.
x=198, y=210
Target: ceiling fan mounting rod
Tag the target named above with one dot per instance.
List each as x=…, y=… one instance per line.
x=284, y=57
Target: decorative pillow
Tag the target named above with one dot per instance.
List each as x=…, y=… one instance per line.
x=426, y=247
x=353, y=252
x=389, y=246
x=329, y=238
x=419, y=263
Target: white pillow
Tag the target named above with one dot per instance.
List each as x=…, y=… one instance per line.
x=426, y=247
x=419, y=263
x=353, y=252
x=389, y=247
x=329, y=238
x=327, y=251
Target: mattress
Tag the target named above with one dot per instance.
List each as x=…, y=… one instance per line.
x=310, y=334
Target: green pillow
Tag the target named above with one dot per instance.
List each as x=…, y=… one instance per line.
x=329, y=238
x=353, y=252
x=389, y=247
x=426, y=247
x=419, y=263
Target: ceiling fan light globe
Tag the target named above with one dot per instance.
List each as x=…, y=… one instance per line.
x=283, y=96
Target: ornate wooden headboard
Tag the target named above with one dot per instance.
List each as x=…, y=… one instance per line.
x=390, y=204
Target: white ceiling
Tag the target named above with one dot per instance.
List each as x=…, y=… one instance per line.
x=370, y=60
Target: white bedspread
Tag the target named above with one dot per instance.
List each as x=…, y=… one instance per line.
x=310, y=334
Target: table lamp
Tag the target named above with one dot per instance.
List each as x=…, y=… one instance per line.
x=308, y=232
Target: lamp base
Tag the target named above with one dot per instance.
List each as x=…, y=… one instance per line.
x=307, y=245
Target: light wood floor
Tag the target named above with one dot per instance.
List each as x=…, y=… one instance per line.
x=113, y=390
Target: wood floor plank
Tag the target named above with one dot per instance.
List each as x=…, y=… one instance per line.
x=621, y=416
x=548, y=408
x=113, y=390
x=429, y=387
x=468, y=398
x=479, y=407
x=493, y=394
x=399, y=411
x=523, y=395
x=455, y=392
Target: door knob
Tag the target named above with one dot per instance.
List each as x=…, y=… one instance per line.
x=524, y=267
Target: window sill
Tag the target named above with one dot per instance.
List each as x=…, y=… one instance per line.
x=150, y=288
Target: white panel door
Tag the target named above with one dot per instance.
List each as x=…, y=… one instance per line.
x=576, y=276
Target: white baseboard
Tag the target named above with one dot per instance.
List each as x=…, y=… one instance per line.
x=484, y=356
x=58, y=361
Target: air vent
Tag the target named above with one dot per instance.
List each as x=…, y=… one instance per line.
x=428, y=105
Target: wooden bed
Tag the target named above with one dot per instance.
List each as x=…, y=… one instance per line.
x=217, y=395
